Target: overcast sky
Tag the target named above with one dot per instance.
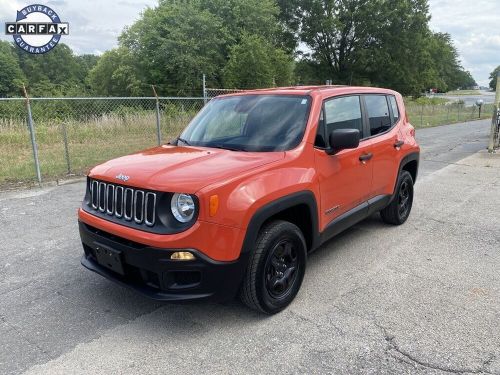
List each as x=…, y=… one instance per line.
x=96, y=24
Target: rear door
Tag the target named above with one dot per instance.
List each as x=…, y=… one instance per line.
x=382, y=115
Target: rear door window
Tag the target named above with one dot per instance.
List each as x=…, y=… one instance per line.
x=378, y=113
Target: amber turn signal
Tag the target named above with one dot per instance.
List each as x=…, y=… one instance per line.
x=214, y=205
x=182, y=255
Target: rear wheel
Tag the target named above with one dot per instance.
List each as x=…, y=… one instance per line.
x=398, y=211
x=276, y=268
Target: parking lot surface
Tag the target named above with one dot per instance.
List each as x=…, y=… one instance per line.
x=420, y=298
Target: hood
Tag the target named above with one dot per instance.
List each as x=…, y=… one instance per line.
x=181, y=169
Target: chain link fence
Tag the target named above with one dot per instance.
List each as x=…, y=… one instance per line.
x=212, y=93
x=70, y=135
x=73, y=134
x=426, y=115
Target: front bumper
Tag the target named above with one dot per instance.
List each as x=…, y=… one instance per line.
x=151, y=272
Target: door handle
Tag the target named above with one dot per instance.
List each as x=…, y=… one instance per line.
x=398, y=144
x=365, y=157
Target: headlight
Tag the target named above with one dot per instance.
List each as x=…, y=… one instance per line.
x=183, y=207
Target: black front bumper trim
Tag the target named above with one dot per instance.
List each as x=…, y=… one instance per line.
x=152, y=273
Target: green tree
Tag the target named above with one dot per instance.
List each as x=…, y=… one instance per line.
x=11, y=75
x=58, y=72
x=373, y=42
x=175, y=44
x=255, y=63
x=59, y=66
x=85, y=63
x=239, y=17
x=115, y=74
x=397, y=54
x=448, y=72
x=493, y=78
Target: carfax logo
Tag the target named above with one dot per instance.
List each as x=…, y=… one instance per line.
x=37, y=29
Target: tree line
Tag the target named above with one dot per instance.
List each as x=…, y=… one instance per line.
x=251, y=44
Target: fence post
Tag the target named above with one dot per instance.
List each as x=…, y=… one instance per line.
x=495, y=122
x=66, y=147
x=204, y=89
x=422, y=116
x=459, y=105
x=158, y=128
x=32, y=135
x=448, y=115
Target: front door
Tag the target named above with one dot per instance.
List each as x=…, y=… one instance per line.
x=345, y=178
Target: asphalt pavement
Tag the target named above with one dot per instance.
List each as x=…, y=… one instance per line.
x=419, y=298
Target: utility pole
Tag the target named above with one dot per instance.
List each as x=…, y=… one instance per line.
x=495, y=122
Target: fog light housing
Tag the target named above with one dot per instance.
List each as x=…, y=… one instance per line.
x=182, y=255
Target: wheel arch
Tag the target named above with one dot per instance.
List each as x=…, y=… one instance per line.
x=299, y=208
x=410, y=164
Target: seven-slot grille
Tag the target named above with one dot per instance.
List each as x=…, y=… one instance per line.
x=123, y=202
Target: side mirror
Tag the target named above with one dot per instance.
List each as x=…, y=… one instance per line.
x=342, y=139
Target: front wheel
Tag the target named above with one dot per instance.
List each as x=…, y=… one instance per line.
x=398, y=210
x=276, y=268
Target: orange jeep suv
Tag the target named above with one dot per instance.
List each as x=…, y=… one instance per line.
x=253, y=184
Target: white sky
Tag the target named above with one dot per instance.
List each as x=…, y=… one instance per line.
x=96, y=24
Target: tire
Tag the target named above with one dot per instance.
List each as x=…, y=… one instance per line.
x=398, y=211
x=275, y=269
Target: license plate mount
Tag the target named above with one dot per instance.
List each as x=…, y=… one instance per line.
x=110, y=258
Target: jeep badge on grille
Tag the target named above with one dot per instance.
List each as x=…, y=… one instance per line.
x=123, y=177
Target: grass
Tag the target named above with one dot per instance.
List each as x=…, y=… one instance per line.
x=98, y=138
x=464, y=92
x=89, y=143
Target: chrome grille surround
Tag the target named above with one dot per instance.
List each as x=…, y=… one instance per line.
x=123, y=202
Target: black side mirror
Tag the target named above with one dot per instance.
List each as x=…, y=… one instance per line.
x=342, y=139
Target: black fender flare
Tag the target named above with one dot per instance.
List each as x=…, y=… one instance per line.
x=272, y=208
x=413, y=156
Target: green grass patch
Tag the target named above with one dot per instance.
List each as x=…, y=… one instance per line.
x=464, y=92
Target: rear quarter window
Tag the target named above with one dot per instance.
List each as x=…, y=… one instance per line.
x=395, y=108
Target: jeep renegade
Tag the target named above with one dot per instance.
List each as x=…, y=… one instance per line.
x=253, y=184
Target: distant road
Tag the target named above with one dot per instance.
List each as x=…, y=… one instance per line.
x=487, y=96
x=447, y=144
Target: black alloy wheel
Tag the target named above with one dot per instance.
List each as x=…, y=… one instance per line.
x=281, y=268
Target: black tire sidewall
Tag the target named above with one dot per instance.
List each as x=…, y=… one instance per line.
x=405, y=176
x=268, y=303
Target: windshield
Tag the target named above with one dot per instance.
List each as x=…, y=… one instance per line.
x=249, y=123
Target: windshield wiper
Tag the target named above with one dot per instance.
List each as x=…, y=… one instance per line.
x=183, y=141
x=224, y=147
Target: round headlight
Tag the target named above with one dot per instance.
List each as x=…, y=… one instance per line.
x=183, y=207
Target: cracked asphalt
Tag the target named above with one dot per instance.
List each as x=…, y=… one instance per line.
x=422, y=298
